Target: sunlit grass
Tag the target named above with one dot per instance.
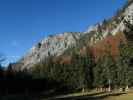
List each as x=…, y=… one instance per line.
x=97, y=95
x=128, y=96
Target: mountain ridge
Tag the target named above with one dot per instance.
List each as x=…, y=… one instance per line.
x=57, y=45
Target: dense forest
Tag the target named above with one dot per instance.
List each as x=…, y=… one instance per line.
x=85, y=72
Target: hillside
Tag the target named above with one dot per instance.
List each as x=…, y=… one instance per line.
x=112, y=31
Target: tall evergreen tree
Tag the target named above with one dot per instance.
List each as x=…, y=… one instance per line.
x=124, y=69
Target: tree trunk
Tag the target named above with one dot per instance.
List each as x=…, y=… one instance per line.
x=127, y=88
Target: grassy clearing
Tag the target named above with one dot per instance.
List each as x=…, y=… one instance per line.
x=128, y=96
x=93, y=95
x=77, y=94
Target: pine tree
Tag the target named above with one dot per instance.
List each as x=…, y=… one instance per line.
x=124, y=69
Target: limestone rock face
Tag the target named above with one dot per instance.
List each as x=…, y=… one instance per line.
x=51, y=46
x=92, y=28
x=128, y=22
x=125, y=24
x=129, y=14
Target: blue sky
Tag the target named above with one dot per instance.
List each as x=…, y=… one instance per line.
x=24, y=22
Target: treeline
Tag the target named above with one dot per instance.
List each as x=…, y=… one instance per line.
x=85, y=72
x=75, y=75
x=118, y=70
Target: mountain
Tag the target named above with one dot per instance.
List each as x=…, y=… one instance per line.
x=111, y=31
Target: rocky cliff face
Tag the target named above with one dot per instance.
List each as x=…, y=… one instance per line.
x=56, y=45
x=53, y=45
x=128, y=22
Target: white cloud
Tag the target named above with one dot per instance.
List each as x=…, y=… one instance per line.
x=10, y=59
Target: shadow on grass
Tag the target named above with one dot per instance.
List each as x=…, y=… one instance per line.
x=95, y=96
x=16, y=97
x=89, y=97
